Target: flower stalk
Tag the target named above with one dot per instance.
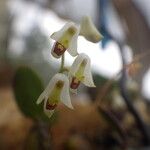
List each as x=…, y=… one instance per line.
x=62, y=64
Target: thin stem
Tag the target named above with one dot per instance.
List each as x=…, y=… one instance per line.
x=62, y=63
x=124, y=92
x=104, y=90
x=44, y=136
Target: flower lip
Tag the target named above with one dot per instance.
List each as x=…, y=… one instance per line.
x=58, y=49
x=74, y=83
x=50, y=106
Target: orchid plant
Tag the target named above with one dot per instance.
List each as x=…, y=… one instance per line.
x=63, y=83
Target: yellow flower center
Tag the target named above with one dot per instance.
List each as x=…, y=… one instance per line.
x=80, y=72
x=67, y=36
x=54, y=97
x=79, y=75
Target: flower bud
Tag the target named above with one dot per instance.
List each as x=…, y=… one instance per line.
x=89, y=31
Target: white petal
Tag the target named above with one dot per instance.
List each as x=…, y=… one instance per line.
x=54, y=54
x=45, y=94
x=41, y=98
x=65, y=95
x=88, y=79
x=57, y=35
x=52, y=82
x=74, y=91
x=72, y=49
x=49, y=113
x=76, y=64
x=89, y=31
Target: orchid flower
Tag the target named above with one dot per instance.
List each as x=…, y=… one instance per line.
x=66, y=39
x=89, y=31
x=56, y=91
x=80, y=71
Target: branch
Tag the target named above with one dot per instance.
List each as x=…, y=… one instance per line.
x=124, y=92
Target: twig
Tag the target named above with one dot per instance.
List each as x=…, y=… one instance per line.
x=104, y=90
x=43, y=136
x=62, y=63
x=113, y=121
x=124, y=92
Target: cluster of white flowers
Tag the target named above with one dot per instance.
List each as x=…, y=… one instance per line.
x=62, y=84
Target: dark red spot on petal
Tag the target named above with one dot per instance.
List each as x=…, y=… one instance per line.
x=50, y=106
x=74, y=83
x=59, y=49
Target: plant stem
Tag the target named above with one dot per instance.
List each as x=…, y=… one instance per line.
x=43, y=136
x=124, y=92
x=62, y=63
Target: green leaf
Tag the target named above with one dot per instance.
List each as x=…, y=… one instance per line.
x=27, y=88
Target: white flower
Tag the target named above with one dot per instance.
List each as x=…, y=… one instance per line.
x=89, y=31
x=56, y=91
x=80, y=71
x=66, y=39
